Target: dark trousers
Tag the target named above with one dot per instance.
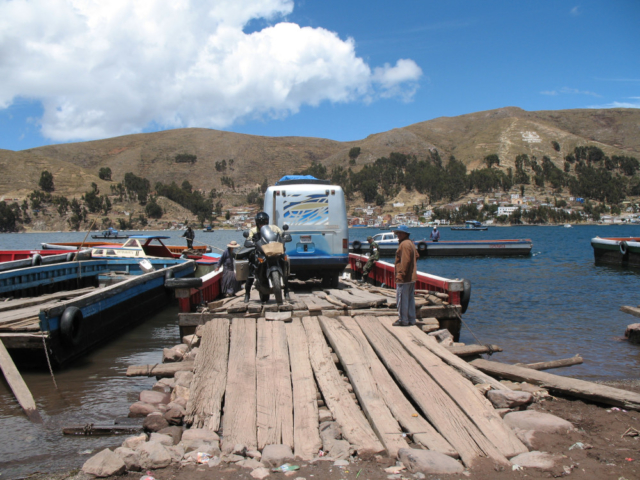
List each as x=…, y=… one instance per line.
x=189, y=243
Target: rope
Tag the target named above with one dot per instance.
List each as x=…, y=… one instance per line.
x=78, y=278
x=210, y=246
x=44, y=344
x=491, y=350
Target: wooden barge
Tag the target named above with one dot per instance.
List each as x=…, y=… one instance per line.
x=617, y=250
x=59, y=307
x=448, y=248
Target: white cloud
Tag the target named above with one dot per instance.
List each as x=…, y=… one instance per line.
x=569, y=91
x=575, y=11
x=102, y=69
x=617, y=105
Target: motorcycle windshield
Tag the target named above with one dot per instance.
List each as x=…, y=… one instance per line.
x=268, y=235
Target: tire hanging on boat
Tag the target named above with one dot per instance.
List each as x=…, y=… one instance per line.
x=357, y=245
x=71, y=326
x=422, y=247
x=466, y=295
x=36, y=260
x=624, y=248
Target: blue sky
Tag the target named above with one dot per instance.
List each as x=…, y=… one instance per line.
x=75, y=71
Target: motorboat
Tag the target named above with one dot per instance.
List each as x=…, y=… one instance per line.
x=473, y=225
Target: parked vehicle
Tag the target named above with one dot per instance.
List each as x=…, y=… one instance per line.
x=317, y=217
x=268, y=262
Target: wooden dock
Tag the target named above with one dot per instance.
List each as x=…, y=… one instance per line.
x=260, y=369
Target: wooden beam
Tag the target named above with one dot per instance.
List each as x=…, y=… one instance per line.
x=350, y=351
x=17, y=385
x=565, y=385
x=353, y=424
x=306, y=437
x=239, y=424
x=159, y=369
x=565, y=362
x=210, y=379
x=471, y=350
x=635, y=311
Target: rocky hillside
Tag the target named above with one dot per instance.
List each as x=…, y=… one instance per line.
x=506, y=132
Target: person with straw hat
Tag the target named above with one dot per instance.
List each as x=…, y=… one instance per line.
x=406, y=276
x=229, y=285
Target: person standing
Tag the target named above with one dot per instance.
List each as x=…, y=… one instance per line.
x=230, y=286
x=189, y=235
x=435, y=234
x=374, y=256
x=406, y=276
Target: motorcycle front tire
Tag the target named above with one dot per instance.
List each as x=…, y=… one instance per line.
x=277, y=286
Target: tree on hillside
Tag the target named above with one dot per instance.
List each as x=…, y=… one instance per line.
x=264, y=186
x=153, y=210
x=46, y=181
x=105, y=174
x=491, y=160
x=7, y=218
x=185, y=158
x=186, y=186
x=555, y=145
x=354, y=153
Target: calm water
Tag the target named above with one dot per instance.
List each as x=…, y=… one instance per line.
x=551, y=305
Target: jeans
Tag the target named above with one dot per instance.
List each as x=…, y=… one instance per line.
x=406, y=300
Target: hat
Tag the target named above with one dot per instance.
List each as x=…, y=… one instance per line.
x=369, y=238
x=233, y=244
x=435, y=227
x=403, y=229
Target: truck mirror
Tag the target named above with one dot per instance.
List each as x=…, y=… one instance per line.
x=285, y=227
x=287, y=238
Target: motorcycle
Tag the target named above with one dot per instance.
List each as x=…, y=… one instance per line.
x=269, y=262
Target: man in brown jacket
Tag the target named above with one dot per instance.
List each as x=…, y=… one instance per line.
x=406, y=276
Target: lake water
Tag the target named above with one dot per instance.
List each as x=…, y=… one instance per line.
x=553, y=304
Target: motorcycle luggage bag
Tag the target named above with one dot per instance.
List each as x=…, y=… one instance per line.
x=241, y=269
x=271, y=249
x=243, y=253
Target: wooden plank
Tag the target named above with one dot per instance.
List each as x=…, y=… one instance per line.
x=566, y=385
x=194, y=319
x=345, y=297
x=18, y=387
x=321, y=300
x=33, y=301
x=274, y=394
x=239, y=424
x=331, y=299
x=278, y=316
x=441, y=411
x=400, y=407
x=313, y=307
x=470, y=350
x=30, y=341
x=565, y=362
x=469, y=399
x=351, y=353
x=210, y=379
x=631, y=311
x=159, y=369
x=306, y=437
x=353, y=424
x=375, y=312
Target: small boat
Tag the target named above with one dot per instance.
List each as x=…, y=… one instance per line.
x=617, y=251
x=141, y=246
x=472, y=225
x=200, y=249
x=208, y=229
x=567, y=225
x=388, y=244
x=110, y=233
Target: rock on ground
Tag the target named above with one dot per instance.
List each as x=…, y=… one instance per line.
x=541, y=460
x=175, y=432
x=428, y=462
x=130, y=458
x=154, y=455
x=203, y=434
x=184, y=378
x=142, y=409
x=509, y=398
x=537, y=421
x=276, y=455
x=134, y=442
x=166, y=440
x=104, y=464
x=154, y=423
x=154, y=398
x=260, y=473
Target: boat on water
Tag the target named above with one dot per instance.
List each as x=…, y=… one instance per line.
x=200, y=249
x=567, y=225
x=388, y=244
x=110, y=233
x=472, y=225
x=617, y=250
x=62, y=311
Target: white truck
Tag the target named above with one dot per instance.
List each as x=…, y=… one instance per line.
x=317, y=217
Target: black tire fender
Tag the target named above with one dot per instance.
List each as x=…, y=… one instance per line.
x=168, y=275
x=71, y=326
x=357, y=245
x=36, y=260
x=624, y=247
x=70, y=256
x=466, y=295
x=183, y=283
x=422, y=247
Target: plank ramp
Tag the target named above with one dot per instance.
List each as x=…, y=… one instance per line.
x=274, y=395
x=210, y=377
x=239, y=424
x=17, y=385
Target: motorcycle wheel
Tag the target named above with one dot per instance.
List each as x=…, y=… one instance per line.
x=277, y=287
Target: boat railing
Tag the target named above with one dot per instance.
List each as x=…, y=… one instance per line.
x=384, y=273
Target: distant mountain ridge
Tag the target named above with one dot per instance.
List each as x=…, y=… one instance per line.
x=505, y=131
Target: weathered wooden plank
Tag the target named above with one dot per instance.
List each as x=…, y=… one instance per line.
x=278, y=316
x=331, y=299
x=443, y=413
x=159, y=369
x=237, y=308
x=306, y=437
x=440, y=311
x=400, y=407
x=635, y=311
x=470, y=350
x=194, y=319
x=469, y=399
x=351, y=353
x=210, y=379
x=31, y=341
x=274, y=395
x=33, y=301
x=347, y=298
x=353, y=424
x=564, y=362
x=18, y=387
x=566, y=385
x=239, y=425
x=374, y=312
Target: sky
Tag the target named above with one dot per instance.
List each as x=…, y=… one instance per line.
x=78, y=70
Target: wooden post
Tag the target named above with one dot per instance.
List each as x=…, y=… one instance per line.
x=19, y=388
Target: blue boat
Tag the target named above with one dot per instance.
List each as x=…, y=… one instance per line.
x=53, y=307
x=471, y=225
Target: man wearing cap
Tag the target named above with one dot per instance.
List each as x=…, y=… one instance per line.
x=374, y=256
x=435, y=235
x=406, y=276
x=229, y=283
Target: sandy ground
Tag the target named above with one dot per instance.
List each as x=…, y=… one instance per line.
x=609, y=453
